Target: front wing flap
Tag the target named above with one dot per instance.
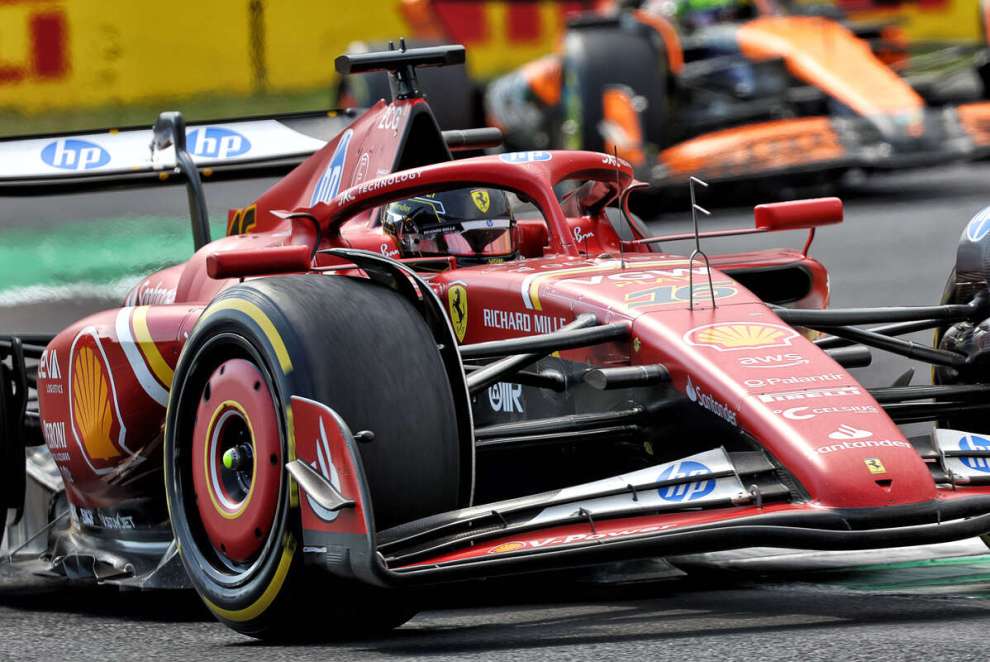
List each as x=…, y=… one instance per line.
x=796, y=146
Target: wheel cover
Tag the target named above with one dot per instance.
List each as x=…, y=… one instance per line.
x=237, y=500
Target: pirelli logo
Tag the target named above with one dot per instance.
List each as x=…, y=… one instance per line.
x=810, y=394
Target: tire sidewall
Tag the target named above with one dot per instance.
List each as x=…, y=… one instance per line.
x=244, y=606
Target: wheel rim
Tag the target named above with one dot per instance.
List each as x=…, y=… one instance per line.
x=236, y=462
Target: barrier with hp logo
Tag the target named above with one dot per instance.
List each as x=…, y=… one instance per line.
x=74, y=154
x=217, y=142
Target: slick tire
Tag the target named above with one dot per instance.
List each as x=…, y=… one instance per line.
x=13, y=475
x=359, y=348
x=600, y=56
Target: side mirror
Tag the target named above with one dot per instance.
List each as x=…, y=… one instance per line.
x=798, y=214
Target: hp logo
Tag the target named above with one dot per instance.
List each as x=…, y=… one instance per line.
x=216, y=142
x=74, y=154
x=329, y=182
x=689, y=491
x=525, y=157
x=975, y=443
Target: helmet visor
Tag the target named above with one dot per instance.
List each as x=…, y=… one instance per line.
x=490, y=237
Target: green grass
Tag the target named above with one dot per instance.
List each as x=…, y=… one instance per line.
x=14, y=123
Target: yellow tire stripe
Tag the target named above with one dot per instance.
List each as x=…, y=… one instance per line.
x=259, y=318
x=259, y=606
x=163, y=372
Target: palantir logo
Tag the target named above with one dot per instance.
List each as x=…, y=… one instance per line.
x=74, y=154
x=687, y=491
x=216, y=142
x=975, y=443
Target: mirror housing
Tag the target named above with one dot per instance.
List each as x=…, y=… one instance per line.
x=798, y=214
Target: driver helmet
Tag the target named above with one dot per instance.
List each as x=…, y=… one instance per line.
x=475, y=225
x=695, y=14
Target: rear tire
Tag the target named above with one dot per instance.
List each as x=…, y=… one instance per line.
x=453, y=98
x=609, y=55
x=356, y=346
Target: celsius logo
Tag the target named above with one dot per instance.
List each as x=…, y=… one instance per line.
x=975, y=443
x=216, y=142
x=73, y=154
x=525, y=157
x=687, y=491
x=699, y=397
x=804, y=413
x=329, y=184
x=979, y=226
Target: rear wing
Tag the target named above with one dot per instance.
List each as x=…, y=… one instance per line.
x=35, y=164
x=172, y=151
x=169, y=151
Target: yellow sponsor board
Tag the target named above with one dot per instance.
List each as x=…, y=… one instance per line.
x=60, y=54
x=65, y=54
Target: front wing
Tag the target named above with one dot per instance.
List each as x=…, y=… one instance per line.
x=799, y=146
x=710, y=501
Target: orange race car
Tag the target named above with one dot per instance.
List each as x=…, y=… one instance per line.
x=731, y=90
x=721, y=89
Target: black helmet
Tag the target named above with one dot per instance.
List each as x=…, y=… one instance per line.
x=468, y=223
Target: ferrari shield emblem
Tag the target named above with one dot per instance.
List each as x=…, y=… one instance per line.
x=481, y=200
x=457, y=303
x=875, y=465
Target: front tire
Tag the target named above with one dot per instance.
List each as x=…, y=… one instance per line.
x=356, y=346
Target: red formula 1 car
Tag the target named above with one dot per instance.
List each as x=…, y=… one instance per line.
x=398, y=370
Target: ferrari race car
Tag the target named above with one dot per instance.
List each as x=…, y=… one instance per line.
x=399, y=369
x=733, y=90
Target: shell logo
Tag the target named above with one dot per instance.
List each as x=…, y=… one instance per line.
x=507, y=547
x=93, y=409
x=732, y=337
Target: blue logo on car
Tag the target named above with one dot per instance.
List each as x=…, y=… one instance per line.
x=979, y=226
x=216, y=142
x=74, y=154
x=975, y=443
x=329, y=183
x=689, y=490
x=525, y=157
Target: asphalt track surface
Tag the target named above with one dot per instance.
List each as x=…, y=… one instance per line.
x=896, y=247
